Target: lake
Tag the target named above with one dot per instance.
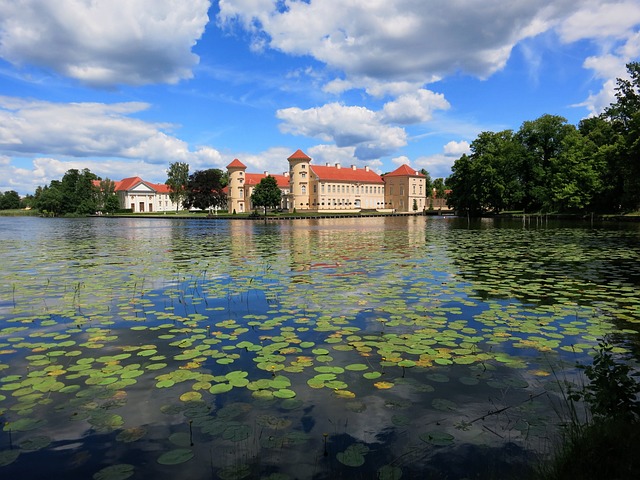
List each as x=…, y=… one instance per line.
x=384, y=347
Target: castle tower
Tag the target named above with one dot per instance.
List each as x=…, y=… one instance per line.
x=299, y=176
x=236, y=200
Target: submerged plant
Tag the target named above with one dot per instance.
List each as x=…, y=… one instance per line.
x=612, y=391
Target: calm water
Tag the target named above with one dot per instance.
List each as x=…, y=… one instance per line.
x=330, y=348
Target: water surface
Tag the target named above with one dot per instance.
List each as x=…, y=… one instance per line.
x=381, y=347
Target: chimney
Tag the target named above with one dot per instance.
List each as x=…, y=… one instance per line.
x=366, y=168
x=338, y=166
x=286, y=174
x=328, y=164
x=266, y=174
x=353, y=167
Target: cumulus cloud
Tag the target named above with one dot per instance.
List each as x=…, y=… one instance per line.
x=414, y=108
x=439, y=165
x=394, y=47
x=347, y=126
x=32, y=127
x=403, y=40
x=102, y=137
x=456, y=149
x=105, y=42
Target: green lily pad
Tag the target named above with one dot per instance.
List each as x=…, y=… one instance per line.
x=437, y=438
x=176, y=456
x=115, y=472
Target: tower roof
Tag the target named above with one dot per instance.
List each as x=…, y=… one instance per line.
x=236, y=164
x=299, y=155
x=404, y=171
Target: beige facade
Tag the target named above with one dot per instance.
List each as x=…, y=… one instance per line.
x=406, y=190
x=242, y=184
x=331, y=188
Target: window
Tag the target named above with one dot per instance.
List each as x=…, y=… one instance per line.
x=322, y=187
x=315, y=188
x=304, y=166
x=303, y=174
x=414, y=189
x=241, y=192
x=304, y=189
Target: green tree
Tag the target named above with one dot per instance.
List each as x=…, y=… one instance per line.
x=465, y=197
x=50, y=199
x=9, y=200
x=542, y=140
x=575, y=175
x=178, y=180
x=79, y=193
x=624, y=116
x=107, y=199
x=428, y=183
x=204, y=190
x=438, y=185
x=267, y=194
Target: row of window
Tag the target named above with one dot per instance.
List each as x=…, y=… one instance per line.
x=355, y=189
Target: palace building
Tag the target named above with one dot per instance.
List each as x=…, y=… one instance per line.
x=331, y=188
x=305, y=187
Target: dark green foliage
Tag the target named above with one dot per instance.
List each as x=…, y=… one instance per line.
x=607, y=446
x=9, y=200
x=612, y=391
x=551, y=166
x=75, y=194
x=267, y=194
x=178, y=180
x=204, y=190
x=107, y=199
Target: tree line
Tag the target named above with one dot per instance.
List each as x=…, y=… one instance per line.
x=549, y=165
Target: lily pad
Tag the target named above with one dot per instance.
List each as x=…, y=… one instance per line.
x=115, y=472
x=176, y=456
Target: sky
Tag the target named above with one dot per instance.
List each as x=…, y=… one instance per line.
x=127, y=87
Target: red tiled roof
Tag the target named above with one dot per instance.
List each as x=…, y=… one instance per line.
x=404, y=171
x=129, y=183
x=299, y=155
x=236, y=164
x=254, y=179
x=343, y=174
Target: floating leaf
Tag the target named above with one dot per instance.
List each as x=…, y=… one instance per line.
x=115, y=472
x=438, y=438
x=176, y=456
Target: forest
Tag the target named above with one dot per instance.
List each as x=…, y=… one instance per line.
x=551, y=166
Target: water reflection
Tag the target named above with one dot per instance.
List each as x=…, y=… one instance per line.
x=309, y=349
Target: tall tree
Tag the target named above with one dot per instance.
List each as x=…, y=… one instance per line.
x=267, y=194
x=107, y=197
x=428, y=183
x=542, y=139
x=438, y=186
x=624, y=115
x=178, y=180
x=204, y=190
x=9, y=200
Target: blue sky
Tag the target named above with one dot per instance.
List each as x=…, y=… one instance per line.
x=125, y=87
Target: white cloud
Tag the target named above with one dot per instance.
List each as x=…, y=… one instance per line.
x=414, y=108
x=414, y=41
x=439, y=165
x=347, y=126
x=105, y=42
x=401, y=160
x=598, y=19
x=456, y=149
x=331, y=154
x=33, y=127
